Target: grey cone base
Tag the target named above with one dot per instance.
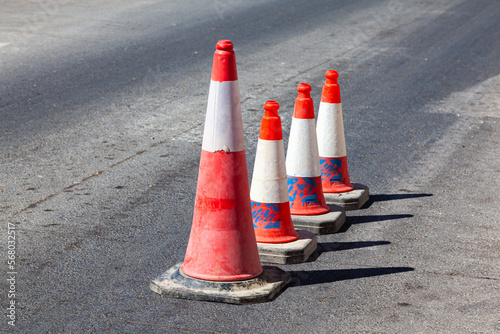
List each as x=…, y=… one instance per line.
x=173, y=283
x=289, y=252
x=327, y=223
x=351, y=200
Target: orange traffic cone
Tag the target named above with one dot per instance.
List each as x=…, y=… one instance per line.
x=307, y=203
x=335, y=179
x=222, y=261
x=277, y=240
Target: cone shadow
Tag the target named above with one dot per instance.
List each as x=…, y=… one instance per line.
x=301, y=278
x=391, y=197
x=351, y=220
x=340, y=246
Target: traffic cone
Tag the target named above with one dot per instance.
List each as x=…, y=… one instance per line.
x=277, y=240
x=222, y=261
x=307, y=203
x=337, y=187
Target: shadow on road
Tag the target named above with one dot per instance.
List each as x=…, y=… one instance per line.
x=351, y=220
x=340, y=246
x=391, y=197
x=300, y=278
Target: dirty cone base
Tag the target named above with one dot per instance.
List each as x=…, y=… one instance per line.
x=327, y=223
x=296, y=251
x=350, y=200
x=173, y=283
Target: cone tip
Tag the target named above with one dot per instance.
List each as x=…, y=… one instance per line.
x=305, y=89
x=270, y=128
x=271, y=105
x=332, y=75
x=224, y=45
x=303, y=103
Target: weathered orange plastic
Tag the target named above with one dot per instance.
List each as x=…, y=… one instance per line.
x=222, y=244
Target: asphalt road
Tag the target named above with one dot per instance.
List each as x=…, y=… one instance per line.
x=102, y=108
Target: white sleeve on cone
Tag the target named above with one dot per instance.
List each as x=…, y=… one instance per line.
x=330, y=130
x=269, y=181
x=302, y=157
x=223, y=122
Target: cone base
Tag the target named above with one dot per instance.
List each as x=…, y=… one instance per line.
x=352, y=200
x=327, y=223
x=290, y=252
x=173, y=283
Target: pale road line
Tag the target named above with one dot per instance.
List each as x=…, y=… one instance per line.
x=477, y=101
x=3, y=44
x=88, y=177
x=470, y=107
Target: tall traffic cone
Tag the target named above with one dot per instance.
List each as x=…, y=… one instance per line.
x=277, y=240
x=307, y=203
x=222, y=261
x=337, y=187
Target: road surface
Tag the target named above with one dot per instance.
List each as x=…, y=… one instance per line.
x=102, y=109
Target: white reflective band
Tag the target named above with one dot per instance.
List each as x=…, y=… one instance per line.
x=269, y=182
x=330, y=130
x=302, y=157
x=223, y=122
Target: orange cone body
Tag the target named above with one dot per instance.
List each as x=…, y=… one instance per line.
x=302, y=159
x=331, y=141
x=270, y=207
x=222, y=244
